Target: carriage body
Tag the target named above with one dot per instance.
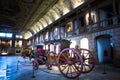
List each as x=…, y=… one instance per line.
x=25, y=52
x=55, y=49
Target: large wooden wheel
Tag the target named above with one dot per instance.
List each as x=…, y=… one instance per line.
x=70, y=63
x=35, y=65
x=88, y=60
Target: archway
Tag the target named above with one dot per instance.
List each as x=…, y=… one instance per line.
x=84, y=43
x=104, y=48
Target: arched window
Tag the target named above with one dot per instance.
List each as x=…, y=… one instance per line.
x=62, y=31
x=84, y=43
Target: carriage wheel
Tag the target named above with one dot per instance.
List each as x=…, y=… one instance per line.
x=44, y=59
x=35, y=65
x=88, y=60
x=70, y=63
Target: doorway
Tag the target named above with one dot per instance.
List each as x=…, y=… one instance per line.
x=104, y=48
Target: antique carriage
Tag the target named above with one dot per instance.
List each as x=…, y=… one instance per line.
x=26, y=52
x=70, y=62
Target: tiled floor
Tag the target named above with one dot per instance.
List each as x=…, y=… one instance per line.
x=10, y=71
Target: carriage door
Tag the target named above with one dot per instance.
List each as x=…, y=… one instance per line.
x=104, y=48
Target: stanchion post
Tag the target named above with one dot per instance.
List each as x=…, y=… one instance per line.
x=33, y=72
x=104, y=69
x=105, y=54
x=17, y=65
x=33, y=75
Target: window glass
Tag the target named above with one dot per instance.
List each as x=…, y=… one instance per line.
x=2, y=34
x=7, y=35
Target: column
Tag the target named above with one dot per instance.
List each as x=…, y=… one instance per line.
x=13, y=41
x=115, y=19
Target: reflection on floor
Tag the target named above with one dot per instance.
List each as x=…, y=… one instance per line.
x=10, y=71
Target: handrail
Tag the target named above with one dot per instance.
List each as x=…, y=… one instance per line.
x=103, y=24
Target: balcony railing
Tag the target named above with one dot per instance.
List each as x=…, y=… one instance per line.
x=102, y=25
x=108, y=23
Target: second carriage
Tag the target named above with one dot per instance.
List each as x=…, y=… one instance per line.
x=70, y=62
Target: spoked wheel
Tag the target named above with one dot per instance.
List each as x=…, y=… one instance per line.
x=70, y=63
x=44, y=59
x=88, y=60
x=35, y=65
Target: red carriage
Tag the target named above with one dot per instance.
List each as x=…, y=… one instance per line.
x=70, y=62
